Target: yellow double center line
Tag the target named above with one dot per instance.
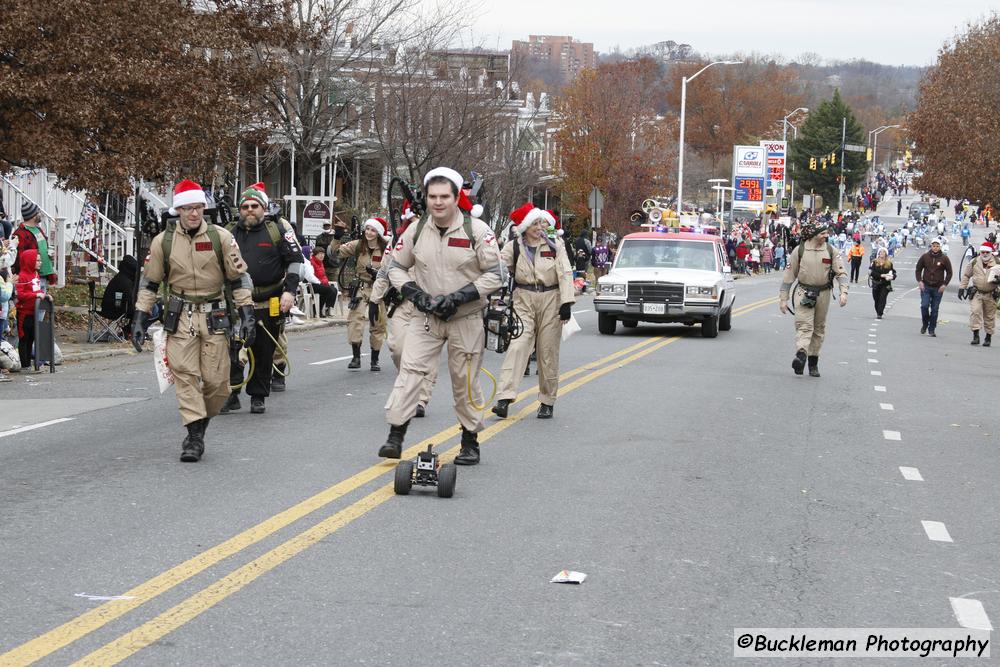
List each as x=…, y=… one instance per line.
x=153, y=630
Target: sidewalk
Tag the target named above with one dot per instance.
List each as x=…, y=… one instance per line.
x=75, y=347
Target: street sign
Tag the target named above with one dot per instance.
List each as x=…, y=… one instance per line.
x=595, y=200
x=313, y=216
x=855, y=148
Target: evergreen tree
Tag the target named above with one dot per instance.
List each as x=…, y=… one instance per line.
x=820, y=136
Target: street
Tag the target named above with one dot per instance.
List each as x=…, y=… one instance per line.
x=698, y=483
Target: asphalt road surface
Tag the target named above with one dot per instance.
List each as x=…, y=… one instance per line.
x=698, y=483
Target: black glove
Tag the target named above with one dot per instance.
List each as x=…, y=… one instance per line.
x=338, y=233
x=248, y=325
x=421, y=299
x=373, y=312
x=140, y=321
x=564, y=312
x=373, y=272
x=450, y=303
x=961, y=293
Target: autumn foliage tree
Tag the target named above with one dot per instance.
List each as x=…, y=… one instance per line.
x=611, y=138
x=100, y=92
x=956, y=125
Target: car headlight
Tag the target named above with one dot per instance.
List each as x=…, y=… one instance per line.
x=704, y=292
x=611, y=289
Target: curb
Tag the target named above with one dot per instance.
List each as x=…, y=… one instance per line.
x=87, y=355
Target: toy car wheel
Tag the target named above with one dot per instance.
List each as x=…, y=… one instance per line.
x=404, y=478
x=446, y=480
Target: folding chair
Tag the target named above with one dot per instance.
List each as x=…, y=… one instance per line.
x=103, y=329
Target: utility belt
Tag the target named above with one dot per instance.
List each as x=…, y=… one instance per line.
x=213, y=307
x=536, y=288
x=810, y=294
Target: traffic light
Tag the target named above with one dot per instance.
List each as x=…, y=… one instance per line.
x=812, y=163
x=869, y=154
x=833, y=157
x=823, y=162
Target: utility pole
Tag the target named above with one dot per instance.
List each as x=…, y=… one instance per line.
x=843, y=185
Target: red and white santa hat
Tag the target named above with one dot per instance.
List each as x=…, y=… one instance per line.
x=379, y=225
x=408, y=213
x=527, y=215
x=557, y=222
x=187, y=193
x=986, y=247
x=464, y=203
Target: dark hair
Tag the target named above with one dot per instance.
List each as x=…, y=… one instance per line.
x=434, y=180
x=317, y=250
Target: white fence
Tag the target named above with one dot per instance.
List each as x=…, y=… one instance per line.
x=68, y=220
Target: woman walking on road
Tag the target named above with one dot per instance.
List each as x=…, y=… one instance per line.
x=882, y=274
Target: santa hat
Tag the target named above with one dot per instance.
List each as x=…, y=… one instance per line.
x=532, y=216
x=187, y=193
x=518, y=214
x=556, y=223
x=464, y=203
x=255, y=193
x=408, y=213
x=379, y=225
x=986, y=247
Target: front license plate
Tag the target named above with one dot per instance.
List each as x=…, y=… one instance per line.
x=654, y=309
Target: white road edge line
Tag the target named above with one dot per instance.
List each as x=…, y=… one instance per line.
x=911, y=474
x=892, y=435
x=32, y=427
x=330, y=361
x=970, y=614
x=886, y=406
x=936, y=531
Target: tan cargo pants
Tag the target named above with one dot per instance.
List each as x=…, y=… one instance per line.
x=539, y=312
x=357, y=320
x=199, y=361
x=397, y=327
x=810, y=323
x=984, y=312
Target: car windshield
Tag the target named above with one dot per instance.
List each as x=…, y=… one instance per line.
x=666, y=254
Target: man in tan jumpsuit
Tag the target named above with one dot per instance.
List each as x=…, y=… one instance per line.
x=202, y=259
x=815, y=264
x=543, y=296
x=399, y=324
x=984, y=306
x=369, y=251
x=456, y=266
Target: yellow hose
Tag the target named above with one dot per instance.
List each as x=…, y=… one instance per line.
x=284, y=354
x=468, y=375
x=251, y=364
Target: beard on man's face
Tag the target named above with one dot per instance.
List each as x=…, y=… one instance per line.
x=250, y=218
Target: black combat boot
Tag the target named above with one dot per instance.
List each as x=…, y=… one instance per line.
x=527, y=368
x=544, y=411
x=814, y=366
x=194, y=444
x=988, y=341
x=975, y=337
x=278, y=378
x=799, y=362
x=375, y=366
x=500, y=409
x=469, y=454
x=355, y=362
x=232, y=403
x=256, y=405
x=393, y=447
x=421, y=411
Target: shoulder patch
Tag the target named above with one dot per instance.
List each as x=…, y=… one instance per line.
x=232, y=242
x=290, y=236
x=489, y=238
x=399, y=246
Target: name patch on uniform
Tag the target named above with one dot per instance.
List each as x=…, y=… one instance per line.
x=376, y=258
x=548, y=253
x=202, y=246
x=827, y=260
x=264, y=245
x=459, y=243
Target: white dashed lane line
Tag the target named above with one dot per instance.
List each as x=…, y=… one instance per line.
x=879, y=387
x=877, y=373
x=971, y=614
x=911, y=474
x=936, y=531
x=892, y=435
x=871, y=351
x=873, y=361
x=886, y=406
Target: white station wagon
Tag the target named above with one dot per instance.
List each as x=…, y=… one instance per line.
x=666, y=277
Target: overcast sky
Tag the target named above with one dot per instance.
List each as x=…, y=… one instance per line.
x=892, y=32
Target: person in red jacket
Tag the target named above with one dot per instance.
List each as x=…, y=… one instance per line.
x=327, y=292
x=29, y=288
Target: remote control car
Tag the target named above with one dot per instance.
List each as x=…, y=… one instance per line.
x=425, y=471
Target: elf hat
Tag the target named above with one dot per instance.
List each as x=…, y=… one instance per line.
x=379, y=225
x=187, y=193
x=255, y=193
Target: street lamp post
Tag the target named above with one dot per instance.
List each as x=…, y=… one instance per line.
x=875, y=146
x=784, y=139
x=680, y=150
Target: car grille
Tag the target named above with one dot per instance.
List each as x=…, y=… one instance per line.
x=655, y=293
